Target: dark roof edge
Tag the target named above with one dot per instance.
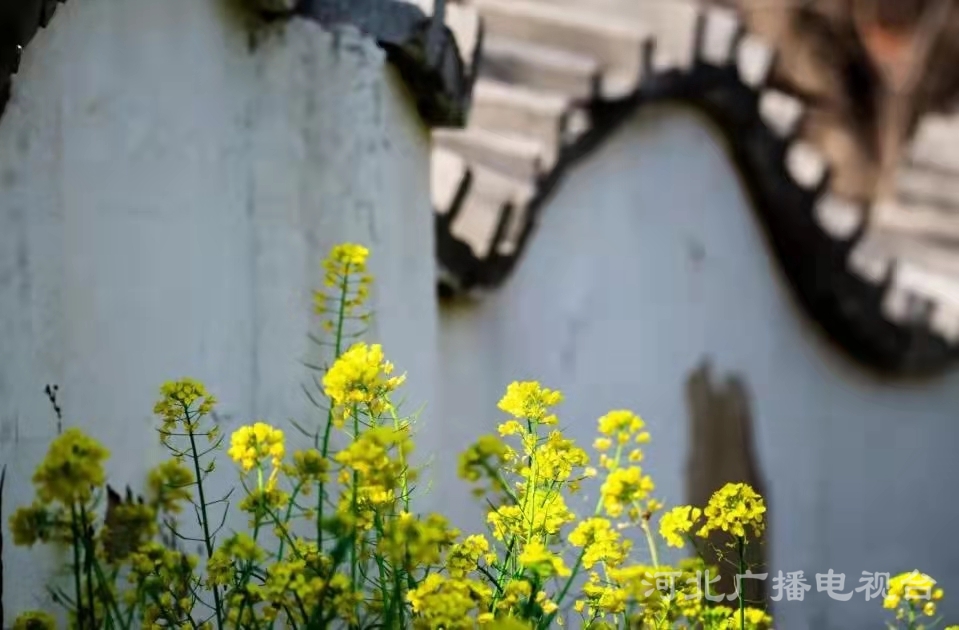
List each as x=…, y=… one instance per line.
x=427, y=58
x=19, y=22
x=847, y=307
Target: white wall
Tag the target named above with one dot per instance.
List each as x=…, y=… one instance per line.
x=166, y=196
x=610, y=305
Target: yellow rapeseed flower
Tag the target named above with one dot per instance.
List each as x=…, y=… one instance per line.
x=530, y=401
x=502, y=623
x=556, y=457
x=238, y=547
x=451, y=603
x=33, y=524
x=463, y=558
x=620, y=422
x=184, y=400
x=625, y=488
x=416, y=542
x=911, y=588
x=361, y=377
x=600, y=542
x=250, y=446
x=309, y=467
x=346, y=282
x=377, y=461
x=676, y=522
x=542, y=512
x=261, y=502
x=34, y=620
x=734, y=508
x=126, y=527
x=293, y=584
x=538, y=558
x=603, y=597
x=484, y=456
x=345, y=259
x=169, y=485
x=511, y=427
x=755, y=618
x=72, y=469
x=620, y=428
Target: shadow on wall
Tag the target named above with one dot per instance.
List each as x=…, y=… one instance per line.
x=721, y=451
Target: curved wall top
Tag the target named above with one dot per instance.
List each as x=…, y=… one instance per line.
x=557, y=78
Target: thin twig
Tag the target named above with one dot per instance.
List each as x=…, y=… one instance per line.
x=51, y=392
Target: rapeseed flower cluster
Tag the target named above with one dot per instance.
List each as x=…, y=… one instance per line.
x=35, y=620
x=414, y=542
x=678, y=521
x=601, y=542
x=735, y=508
x=536, y=533
x=914, y=596
x=725, y=618
x=372, y=473
x=169, y=486
x=360, y=381
x=439, y=601
x=346, y=288
x=183, y=402
x=309, y=468
x=333, y=539
x=251, y=446
x=531, y=402
x=72, y=469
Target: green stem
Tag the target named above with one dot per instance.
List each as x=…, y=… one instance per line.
x=531, y=483
x=88, y=564
x=381, y=567
x=355, y=503
x=286, y=519
x=504, y=573
x=204, y=517
x=398, y=597
x=742, y=571
x=95, y=569
x=651, y=542
x=78, y=590
x=338, y=342
x=248, y=570
x=534, y=589
x=404, y=476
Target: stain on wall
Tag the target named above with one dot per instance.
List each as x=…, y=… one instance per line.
x=721, y=451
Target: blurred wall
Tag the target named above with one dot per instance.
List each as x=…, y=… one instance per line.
x=648, y=262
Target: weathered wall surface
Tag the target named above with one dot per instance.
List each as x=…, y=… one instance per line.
x=648, y=262
x=167, y=192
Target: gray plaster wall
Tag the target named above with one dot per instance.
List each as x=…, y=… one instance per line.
x=169, y=185
x=647, y=261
